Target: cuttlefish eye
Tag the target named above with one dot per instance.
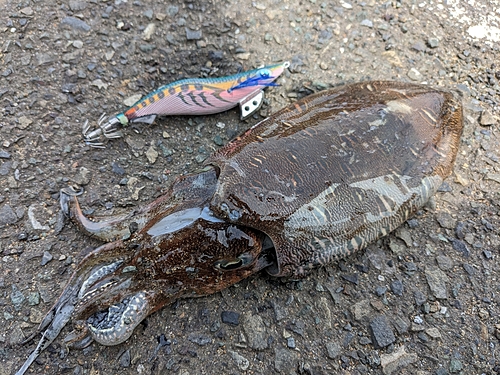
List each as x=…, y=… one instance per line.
x=230, y=264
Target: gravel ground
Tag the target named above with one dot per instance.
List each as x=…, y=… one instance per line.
x=424, y=300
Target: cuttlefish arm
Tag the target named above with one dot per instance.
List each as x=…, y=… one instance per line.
x=62, y=311
x=111, y=228
x=182, y=250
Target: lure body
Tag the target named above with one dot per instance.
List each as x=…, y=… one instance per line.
x=195, y=96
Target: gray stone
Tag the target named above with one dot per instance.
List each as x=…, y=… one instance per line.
x=401, y=324
x=199, y=338
x=284, y=360
x=242, y=363
x=35, y=211
x=415, y=75
x=333, y=349
x=469, y=269
x=433, y=42
x=33, y=298
x=116, y=168
x=324, y=313
x=460, y=246
x=487, y=118
x=46, y=258
x=230, y=317
x=4, y=154
x=193, y=34
x=44, y=59
x=172, y=10
x=23, y=122
x=445, y=263
x=446, y=220
x=71, y=56
x=280, y=313
x=394, y=362
x=367, y=23
x=146, y=47
x=455, y=366
x=404, y=235
x=397, y=287
x=5, y=168
x=381, y=331
x=28, y=11
x=124, y=360
x=437, y=282
x=433, y=332
x=148, y=13
x=152, y=154
x=75, y=23
x=255, y=331
x=418, y=46
x=7, y=215
x=76, y=5
x=17, y=297
x=82, y=177
x=361, y=310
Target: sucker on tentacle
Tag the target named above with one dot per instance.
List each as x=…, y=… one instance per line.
x=192, y=96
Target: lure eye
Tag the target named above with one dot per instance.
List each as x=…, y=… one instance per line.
x=265, y=73
x=233, y=263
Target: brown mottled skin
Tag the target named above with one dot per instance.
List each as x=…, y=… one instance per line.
x=315, y=181
x=291, y=153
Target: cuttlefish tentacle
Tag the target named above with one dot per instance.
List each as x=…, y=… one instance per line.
x=122, y=227
x=106, y=229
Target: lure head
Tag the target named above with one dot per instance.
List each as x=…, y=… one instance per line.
x=123, y=119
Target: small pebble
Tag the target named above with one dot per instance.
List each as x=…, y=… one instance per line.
x=33, y=298
x=415, y=75
x=172, y=10
x=242, y=363
x=75, y=23
x=193, y=34
x=397, y=287
x=290, y=342
x=381, y=332
x=230, y=317
x=367, y=23
x=433, y=42
x=124, y=360
x=46, y=258
x=115, y=168
x=218, y=140
x=455, y=366
x=199, y=339
x=487, y=118
x=351, y=277
x=17, y=297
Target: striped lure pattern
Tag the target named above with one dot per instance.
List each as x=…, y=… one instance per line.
x=203, y=96
x=195, y=96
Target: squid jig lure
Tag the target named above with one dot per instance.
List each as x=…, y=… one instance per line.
x=192, y=96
